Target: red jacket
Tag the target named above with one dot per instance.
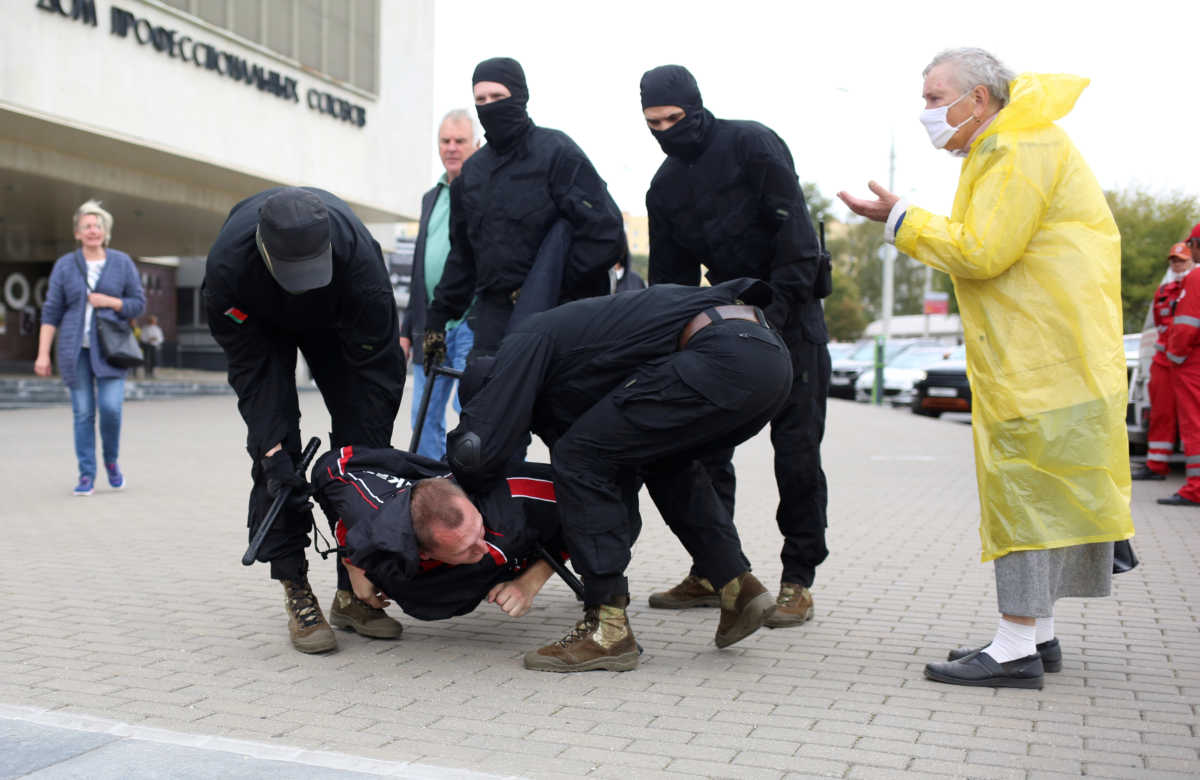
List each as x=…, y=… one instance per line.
x=1165, y=301
x=1184, y=331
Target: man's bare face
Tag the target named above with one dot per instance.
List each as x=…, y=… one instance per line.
x=464, y=544
x=456, y=143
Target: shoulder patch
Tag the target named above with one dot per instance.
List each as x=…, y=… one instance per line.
x=236, y=314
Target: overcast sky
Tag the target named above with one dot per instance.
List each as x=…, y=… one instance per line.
x=837, y=80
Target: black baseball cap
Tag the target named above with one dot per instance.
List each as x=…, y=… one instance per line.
x=293, y=239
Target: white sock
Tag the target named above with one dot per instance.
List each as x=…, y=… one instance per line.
x=1045, y=629
x=1012, y=641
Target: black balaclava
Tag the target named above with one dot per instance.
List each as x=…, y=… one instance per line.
x=674, y=85
x=504, y=121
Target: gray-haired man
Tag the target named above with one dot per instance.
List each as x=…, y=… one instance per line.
x=456, y=142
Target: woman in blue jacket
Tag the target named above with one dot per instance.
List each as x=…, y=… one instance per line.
x=111, y=289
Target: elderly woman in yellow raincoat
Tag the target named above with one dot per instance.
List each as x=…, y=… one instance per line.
x=1035, y=257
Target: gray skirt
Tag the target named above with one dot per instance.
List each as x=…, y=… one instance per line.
x=1028, y=582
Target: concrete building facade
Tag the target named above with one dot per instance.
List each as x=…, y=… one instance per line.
x=170, y=112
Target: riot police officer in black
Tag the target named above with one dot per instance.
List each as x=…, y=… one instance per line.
x=511, y=192
x=294, y=269
x=727, y=197
x=636, y=384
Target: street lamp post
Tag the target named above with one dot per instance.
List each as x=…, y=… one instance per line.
x=889, y=273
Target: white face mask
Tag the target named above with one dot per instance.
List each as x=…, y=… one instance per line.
x=1175, y=276
x=940, y=131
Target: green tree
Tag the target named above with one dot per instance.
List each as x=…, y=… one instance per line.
x=818, y=205
x=844, y=313
x=857, y=253
x=1149, y=225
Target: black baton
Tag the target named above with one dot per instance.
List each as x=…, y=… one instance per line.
x=260, y=533
x=567, y=575
x=425, y=396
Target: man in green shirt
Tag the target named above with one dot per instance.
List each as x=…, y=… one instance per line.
x=456, y=142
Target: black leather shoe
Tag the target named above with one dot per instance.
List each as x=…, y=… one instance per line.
x=1177, y=500
x=1050, y=651
x=981, y=670
x=1146, y=474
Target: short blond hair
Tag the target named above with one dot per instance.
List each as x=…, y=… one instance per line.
x=432, y=509
x=93, y=207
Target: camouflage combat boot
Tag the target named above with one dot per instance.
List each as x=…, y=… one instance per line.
x=793, y=607
x=349, y=611
x=306, y=625
x=692, y=592
x=602, y=640
x=745, y=603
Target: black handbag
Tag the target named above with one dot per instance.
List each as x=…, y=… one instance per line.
x=1123, y=558
x=118, y=346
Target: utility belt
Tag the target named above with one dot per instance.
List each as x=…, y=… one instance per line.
x=501, y=297
x=733, y=311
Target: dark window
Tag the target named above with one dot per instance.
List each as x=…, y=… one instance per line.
x=185, y=303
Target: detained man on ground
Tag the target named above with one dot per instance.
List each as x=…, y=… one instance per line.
x=407, y=531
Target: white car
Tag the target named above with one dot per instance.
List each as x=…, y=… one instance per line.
x=846, y=371
x=903, y=371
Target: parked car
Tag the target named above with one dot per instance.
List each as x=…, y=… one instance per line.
x=1139, y=351
x=846, y=371
x=944, y=388
x=841, y=349
x=903, y=371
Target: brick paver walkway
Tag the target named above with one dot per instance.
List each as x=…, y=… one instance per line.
x=133, y=607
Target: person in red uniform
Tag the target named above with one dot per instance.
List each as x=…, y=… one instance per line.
x=1183, y=351
x=1160, y=439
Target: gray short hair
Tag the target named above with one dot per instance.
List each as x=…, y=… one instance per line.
x=93, y=207
x=971, y=67
x=460, y=115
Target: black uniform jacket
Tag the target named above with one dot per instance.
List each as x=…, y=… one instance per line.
x=413, y=327
x=258, y=324
x=738, y=209
x=558, y=364
x=502, y=206
x=366, y=495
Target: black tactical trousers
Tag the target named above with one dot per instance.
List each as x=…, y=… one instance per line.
x=730, y=380
x=362, y=401
x=796, y=434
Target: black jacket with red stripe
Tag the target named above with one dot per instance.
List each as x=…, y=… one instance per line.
x=365, y=493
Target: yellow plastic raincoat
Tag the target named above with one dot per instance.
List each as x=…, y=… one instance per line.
x=1036, y=262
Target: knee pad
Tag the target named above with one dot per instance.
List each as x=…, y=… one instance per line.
x=464, y=452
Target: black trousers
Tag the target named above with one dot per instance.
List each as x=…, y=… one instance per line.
x=796, y=434
x=362, y=400
x=722, y=389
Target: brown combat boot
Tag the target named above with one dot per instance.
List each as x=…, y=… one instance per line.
x=349, y=611
x=306, y=625
x=692, y=592
x=745, y=603
x=602, y=640
x=793, y=607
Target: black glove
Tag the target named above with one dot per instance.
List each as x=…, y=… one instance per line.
x=434, y=349
x=281, y=475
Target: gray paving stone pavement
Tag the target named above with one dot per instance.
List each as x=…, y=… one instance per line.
x=131, y=610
